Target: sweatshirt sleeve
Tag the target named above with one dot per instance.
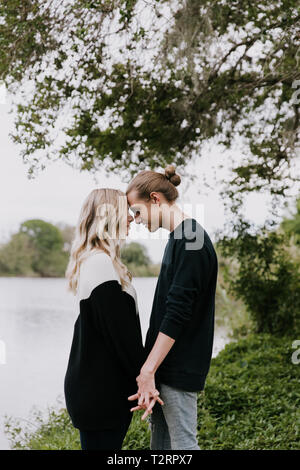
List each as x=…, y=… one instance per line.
x=116, y=317
x=190, y=278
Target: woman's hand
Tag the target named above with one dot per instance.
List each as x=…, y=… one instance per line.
x=146, y=382
x=144, y=407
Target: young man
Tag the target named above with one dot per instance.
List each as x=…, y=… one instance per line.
x=179, y=340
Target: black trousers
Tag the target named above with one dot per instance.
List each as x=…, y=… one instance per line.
x=106, y=439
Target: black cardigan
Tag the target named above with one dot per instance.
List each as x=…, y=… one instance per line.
x=107, y=349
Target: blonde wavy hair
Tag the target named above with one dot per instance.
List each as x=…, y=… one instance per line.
x=101, y=226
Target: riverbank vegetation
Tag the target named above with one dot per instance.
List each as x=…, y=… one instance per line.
x=36, y=250
x=41, y=249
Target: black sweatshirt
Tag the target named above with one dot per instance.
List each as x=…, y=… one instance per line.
x=107, y=349
x=184, y=306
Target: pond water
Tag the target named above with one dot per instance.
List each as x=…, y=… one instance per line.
x=36, y=327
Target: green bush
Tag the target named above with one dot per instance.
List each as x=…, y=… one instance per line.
x=16, y=256
x=36, y=250
x=251, y=401
x=135, y=253
x=53, y=432
x=266, y=279
x=231, y=314
x=135, y=256
x=252, y=397
x=152, y=270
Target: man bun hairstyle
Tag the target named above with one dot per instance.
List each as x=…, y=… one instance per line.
x=172, y=176
x=148, y=181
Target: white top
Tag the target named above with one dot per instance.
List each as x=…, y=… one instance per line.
x=96, y=269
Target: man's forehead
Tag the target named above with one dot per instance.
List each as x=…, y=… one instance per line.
x=132, y=200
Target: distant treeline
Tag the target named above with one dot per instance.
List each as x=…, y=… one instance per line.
x=41, y=249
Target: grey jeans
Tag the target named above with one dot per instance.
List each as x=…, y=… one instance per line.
x=174, y=424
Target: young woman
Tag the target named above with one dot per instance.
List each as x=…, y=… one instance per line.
x=107, y=350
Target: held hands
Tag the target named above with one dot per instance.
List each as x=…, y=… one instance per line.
x=146, y=392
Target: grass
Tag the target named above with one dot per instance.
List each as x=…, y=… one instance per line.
x=252, y=397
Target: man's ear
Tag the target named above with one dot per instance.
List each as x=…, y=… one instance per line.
x=155, y=197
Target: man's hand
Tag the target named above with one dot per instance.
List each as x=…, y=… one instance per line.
x=146, y=386
x=145, y=381
x=146, y=391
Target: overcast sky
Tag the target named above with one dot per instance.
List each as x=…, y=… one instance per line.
x=57, y=193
